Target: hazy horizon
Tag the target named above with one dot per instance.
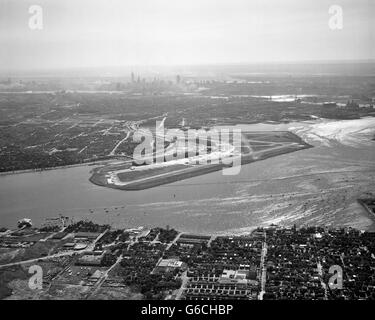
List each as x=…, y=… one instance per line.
x=115, y=33
x=221, y=70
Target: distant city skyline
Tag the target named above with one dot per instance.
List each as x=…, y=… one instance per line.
x=91, y=34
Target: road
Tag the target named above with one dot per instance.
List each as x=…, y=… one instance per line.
x=102, y=279
x=263, y=277
x=173, y=242
x=104, y=276
x=185, y=280
x=52, y=234
x=57, y=255
x=112, y=153
x=213, y=237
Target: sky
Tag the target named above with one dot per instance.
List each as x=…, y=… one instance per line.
x=99, y=33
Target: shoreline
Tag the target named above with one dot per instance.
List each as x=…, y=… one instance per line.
x=9, y=173
x=98, y=176
x=89, y=163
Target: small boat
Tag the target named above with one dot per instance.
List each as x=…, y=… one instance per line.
x=24, y=223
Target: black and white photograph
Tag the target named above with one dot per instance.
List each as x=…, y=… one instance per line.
x=205, y=151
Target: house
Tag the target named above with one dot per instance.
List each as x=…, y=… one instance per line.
x=169, y=265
